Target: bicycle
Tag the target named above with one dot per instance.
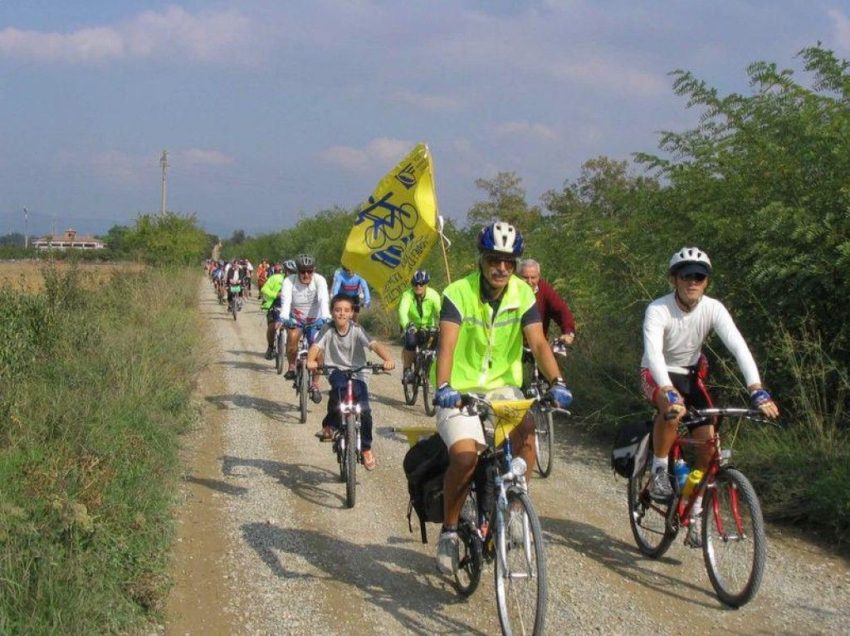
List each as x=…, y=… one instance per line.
x=544, y=424
x=346, y=439
x=733, y=539
x=425, y=355
x=498, y=523
x=390, y=227
x=235, y=305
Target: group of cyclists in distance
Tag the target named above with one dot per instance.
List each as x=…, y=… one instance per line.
x=485, y=321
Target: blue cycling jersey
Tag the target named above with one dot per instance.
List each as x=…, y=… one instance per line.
x=350, y=285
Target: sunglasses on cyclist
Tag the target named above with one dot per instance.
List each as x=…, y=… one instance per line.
x=693, y=277
x=305, y=271
x=419, y=284
x=493, y=260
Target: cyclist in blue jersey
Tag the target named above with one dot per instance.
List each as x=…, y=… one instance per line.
x=347, y=283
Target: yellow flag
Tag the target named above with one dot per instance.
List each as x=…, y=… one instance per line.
x=396, y=227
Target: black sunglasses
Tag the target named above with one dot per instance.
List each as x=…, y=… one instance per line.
x=695, y=277
x=495, y=260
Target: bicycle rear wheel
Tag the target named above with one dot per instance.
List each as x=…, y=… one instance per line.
x=648, y=518
x=304, y=385
x=521, y=586
x=544, y=441
x=350, y=460
x=733, y=541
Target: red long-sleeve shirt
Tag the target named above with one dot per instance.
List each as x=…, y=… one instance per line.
x=552, y=307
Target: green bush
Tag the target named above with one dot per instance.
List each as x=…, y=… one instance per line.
x=88, y=444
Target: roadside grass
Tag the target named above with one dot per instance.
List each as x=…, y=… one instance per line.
x=89, y=418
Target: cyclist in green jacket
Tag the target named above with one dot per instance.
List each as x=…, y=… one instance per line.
x=482, y=323
x=418, y=311
x=270, y=293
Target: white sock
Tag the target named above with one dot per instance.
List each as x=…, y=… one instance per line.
x=697, y=509
x=659, y=463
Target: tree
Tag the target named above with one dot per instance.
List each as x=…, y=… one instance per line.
x=167, y=239
x=506, y=202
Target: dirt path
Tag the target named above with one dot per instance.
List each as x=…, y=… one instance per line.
x=266, y=546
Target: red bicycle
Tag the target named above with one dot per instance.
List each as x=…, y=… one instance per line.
x=732, y=536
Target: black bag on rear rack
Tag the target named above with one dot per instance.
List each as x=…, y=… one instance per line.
x=424, y=466
x=630, y=446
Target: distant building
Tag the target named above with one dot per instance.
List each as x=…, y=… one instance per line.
x=70, y=239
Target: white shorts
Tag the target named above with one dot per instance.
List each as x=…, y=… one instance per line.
x=454, y=425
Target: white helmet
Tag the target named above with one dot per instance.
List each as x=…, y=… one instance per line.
x=690, y=260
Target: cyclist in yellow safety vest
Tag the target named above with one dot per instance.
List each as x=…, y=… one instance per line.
x=482, y=323
x=418, y=311
x=270, y=293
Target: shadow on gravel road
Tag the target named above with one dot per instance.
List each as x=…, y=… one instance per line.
x=624, y=559
x=307, y=482
x=278, y=411
x=390, y=578
x=253, y=366
x=217, y=485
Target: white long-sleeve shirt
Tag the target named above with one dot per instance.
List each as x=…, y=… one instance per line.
x=305, y=303
x=673, y=339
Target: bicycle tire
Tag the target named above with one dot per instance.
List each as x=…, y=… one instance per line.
x=411, y=388
x=233, y=309
x=648, y=519
x=733, y=540
x=470, y=561
x=303, y=390
x=430, y=408
x=544, y=441
x=280, y=354
x=350, y=460
x=521, y=584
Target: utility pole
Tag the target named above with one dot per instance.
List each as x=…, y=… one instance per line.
x=26, y=229
x=163, y=162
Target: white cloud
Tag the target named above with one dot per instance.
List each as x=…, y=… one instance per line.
x=124, y=169
x=194, y=157
x=526, y=130
x=426, y=102
x=842, y=28
x=382, y=150
x=224, y=36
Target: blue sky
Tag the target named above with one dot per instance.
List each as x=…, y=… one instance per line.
x=274, y=110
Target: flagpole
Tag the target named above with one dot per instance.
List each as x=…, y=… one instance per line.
x=443, y=240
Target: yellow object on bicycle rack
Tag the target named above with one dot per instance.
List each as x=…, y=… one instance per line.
x=508, y=415
x=415, y=433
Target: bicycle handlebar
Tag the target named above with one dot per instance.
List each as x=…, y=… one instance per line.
x=376, y=368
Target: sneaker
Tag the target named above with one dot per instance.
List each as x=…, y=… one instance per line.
x=369, y=462
x=290, y=373
x=326, y=434
x=659, y=486
x=694, y=536
x=407, y=376
x=448, y=548
x=315, y=394
x=270, y=353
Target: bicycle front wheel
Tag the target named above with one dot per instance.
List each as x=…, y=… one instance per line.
x=303, y=389
x=544, y=435
x=648, y=518
x=521, y=586
x=733, y=541
x=410, y=389
x=280, y=353
x=233, y=308
x=426, y=390
x=350, y=460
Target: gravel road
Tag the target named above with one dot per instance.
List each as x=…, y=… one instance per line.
x=265, y=544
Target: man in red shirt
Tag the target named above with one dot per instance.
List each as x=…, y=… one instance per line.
x=550, y=305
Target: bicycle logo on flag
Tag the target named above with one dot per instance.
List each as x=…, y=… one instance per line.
x=388, y=221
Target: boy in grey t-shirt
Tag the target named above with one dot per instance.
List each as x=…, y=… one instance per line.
x=345, y=344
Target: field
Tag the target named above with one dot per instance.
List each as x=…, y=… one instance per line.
x=27, y=275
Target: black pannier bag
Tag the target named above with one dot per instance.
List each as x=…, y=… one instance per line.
x=632, y=441
x=424, y=466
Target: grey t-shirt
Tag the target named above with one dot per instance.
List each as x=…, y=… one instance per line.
x=348, y=351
